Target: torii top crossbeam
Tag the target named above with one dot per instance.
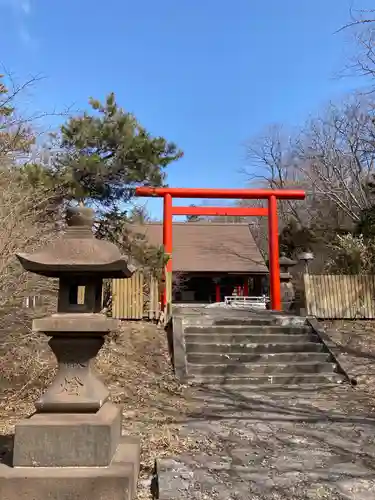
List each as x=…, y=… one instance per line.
x=245, y=194
x=271, y=195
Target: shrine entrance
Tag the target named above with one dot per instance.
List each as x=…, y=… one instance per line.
x=271, y=195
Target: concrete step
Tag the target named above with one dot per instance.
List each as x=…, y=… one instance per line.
x=294, y=398
x=260, y=318
x=285, y=357
x=267, y=368
x=200, y=347
x=251, y=329
x=249, y=338
x=266, y=382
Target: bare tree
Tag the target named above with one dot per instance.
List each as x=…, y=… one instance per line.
x=19, y=127
x=332, y=158
x=26, y=218
x=24, y=226
x=362, y=27
x=272, y=164
x=335, y=154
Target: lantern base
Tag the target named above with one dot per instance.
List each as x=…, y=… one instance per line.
x=117, y=481
x=68, y=440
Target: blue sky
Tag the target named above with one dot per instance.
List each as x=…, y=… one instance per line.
x=206, y=74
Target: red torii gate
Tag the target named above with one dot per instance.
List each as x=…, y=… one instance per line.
x=271, y=195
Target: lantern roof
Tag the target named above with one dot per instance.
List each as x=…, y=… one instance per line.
x=285, y=261
x=78, y=252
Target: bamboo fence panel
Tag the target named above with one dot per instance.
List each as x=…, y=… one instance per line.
x=340, y=296
x=133, y=298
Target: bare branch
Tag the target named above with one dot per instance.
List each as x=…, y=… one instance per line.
x=24, y=226
x=362, y=28
x=332, y=158
x=359, y=17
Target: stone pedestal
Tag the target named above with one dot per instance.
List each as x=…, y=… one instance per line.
x=72, y=440
x=115, y=482
x=72, y=456
x=72, y=448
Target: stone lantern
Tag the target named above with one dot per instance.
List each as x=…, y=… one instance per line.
x=306, y=258
x=286, y=285
x=72, y=446
x=286, y=264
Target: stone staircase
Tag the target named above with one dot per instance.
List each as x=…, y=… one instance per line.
x=270, y=414
x=263, y=350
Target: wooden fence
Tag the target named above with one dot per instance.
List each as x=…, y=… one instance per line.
x=135, y=298
x=340, y=296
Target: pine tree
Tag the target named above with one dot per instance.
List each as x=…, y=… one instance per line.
x=107, y=153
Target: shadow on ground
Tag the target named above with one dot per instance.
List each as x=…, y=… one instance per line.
x=6, y=449
x=298, y=445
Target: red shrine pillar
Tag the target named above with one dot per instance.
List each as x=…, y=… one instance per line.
x=273, y=252
x=246, y=286
x=167, y=242
x=217, y=292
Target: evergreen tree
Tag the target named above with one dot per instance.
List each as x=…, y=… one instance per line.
x=102, y=156
x=107, y=153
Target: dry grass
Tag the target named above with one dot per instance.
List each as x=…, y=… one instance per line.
x=355, y=346
x=138, y=372
x=135, y=364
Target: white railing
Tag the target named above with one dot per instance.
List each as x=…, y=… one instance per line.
x=30, y=302
x=246, y=301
